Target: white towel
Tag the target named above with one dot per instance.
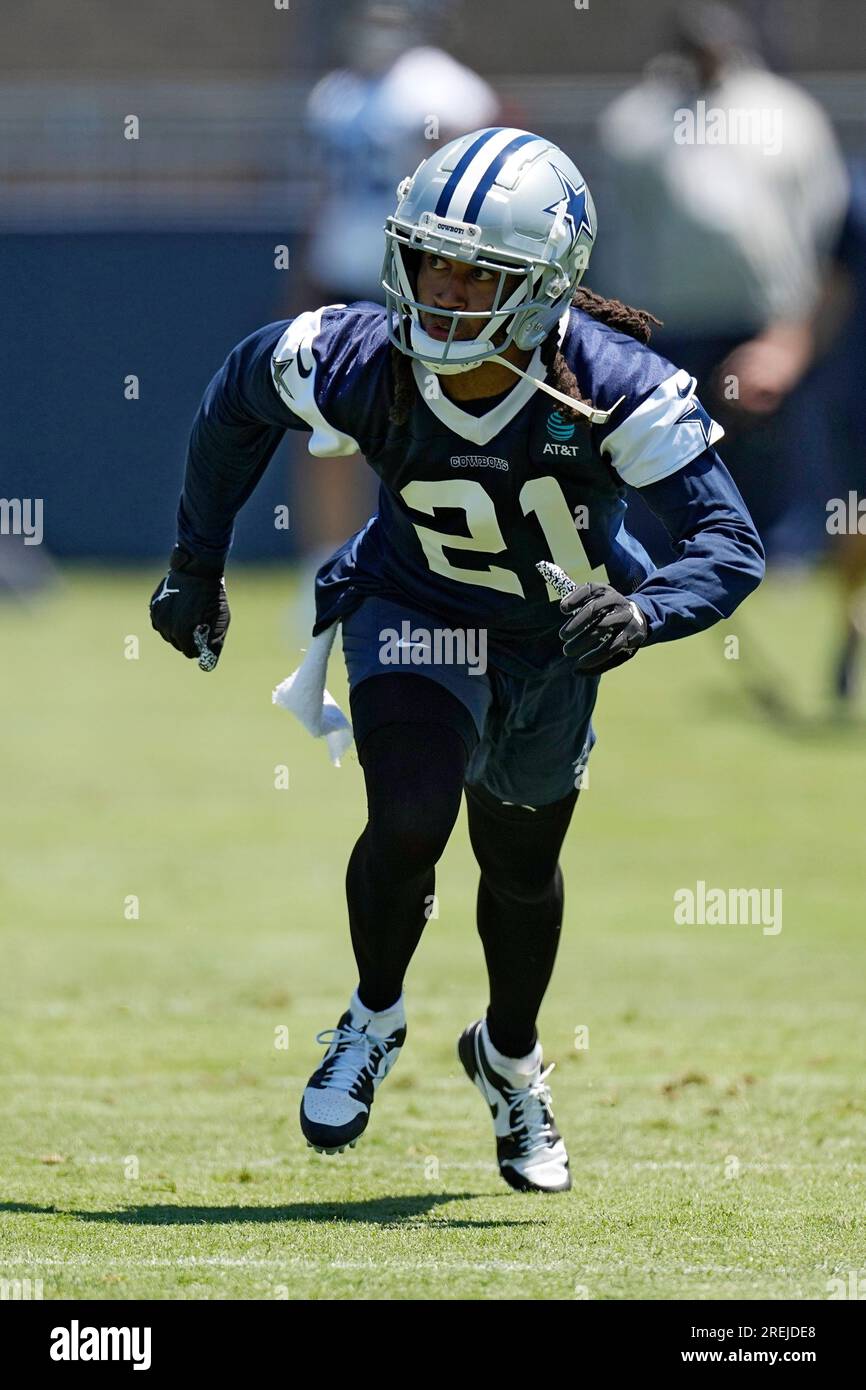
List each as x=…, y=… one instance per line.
x=304, y=694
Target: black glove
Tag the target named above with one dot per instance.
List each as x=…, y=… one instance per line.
x=604, y=629
x=189, y=607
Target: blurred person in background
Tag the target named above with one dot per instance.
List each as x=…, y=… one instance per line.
x=842, y=378
x=397, y=98
x=732, y=193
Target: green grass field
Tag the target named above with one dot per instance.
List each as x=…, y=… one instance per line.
x=150, y=1145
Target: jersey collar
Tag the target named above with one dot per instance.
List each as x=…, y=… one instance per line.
x=480, y=429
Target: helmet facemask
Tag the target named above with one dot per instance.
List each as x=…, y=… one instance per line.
x=509, y=202
x=521, y=314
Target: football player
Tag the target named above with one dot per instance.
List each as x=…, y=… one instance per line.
x=503, y=409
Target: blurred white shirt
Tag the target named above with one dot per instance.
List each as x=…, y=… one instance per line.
x=719, y=238
x=371, y=133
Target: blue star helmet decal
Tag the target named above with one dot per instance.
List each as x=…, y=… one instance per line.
x=575, y=206
x=695, y=414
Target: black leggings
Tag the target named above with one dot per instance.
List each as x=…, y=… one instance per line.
x=414, y=773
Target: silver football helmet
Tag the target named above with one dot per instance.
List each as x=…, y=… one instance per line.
x=507, y=201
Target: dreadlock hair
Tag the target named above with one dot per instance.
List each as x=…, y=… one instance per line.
x=637, y=323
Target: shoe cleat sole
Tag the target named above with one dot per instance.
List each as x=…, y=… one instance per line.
x=320, y=1149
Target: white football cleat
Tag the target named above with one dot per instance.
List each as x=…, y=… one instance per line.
x=529, y=1147
x=335, y=1106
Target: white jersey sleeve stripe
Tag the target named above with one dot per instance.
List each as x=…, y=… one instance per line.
x=664, y=433
x=294, y=368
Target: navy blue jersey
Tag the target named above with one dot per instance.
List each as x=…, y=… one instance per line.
x=468, y=501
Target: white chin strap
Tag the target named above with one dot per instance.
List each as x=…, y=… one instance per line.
x=465, y=360
x=595, y=417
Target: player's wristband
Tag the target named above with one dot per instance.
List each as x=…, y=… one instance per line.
x=198, y=566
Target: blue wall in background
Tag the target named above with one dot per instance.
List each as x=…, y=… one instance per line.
x=82, y=312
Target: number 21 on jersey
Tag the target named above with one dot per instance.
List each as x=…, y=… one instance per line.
x=541, y=496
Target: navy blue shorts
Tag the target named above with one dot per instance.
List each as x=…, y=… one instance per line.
x=528, y=738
